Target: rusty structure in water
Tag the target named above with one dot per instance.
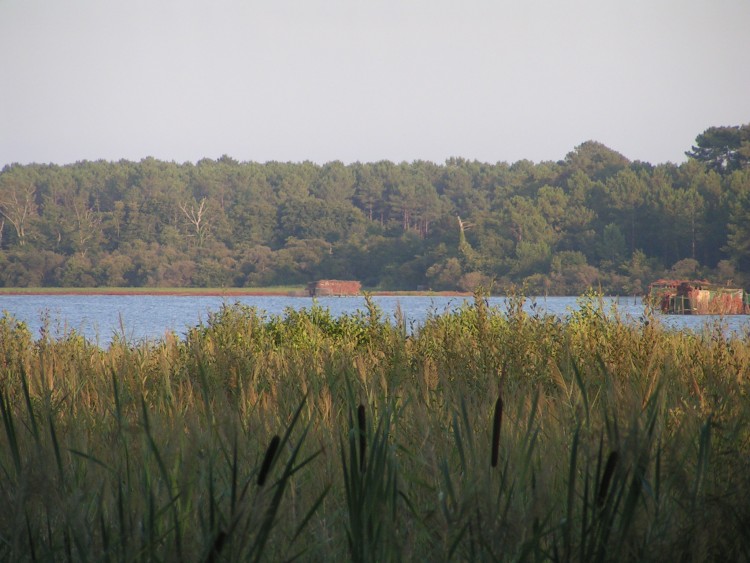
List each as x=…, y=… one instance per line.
x=322, y=288
x=698, y=297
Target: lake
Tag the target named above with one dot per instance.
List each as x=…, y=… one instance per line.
x=141, y=317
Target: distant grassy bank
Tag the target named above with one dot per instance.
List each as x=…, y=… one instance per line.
x=275, y=290
x=286, y=290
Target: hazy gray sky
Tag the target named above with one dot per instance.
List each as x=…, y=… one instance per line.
x=367, y=80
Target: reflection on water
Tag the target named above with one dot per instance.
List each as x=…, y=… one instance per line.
x=137, y=317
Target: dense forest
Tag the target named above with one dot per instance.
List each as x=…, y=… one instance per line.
x=594, y=219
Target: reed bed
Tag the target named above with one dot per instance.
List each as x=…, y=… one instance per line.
x=486, y=434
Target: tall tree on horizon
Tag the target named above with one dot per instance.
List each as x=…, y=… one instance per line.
x=723, y=149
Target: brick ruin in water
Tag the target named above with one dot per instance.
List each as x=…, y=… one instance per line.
x=698, y=297
x=322, y=288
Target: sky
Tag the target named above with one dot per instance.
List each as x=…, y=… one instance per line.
x=367, y=80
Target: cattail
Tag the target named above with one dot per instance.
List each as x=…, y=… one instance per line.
x=32, y=550
x=362, y=435
x=270, y=453
x=221, y=537
x=497, y=421
x=68, y=550
x=609, y=470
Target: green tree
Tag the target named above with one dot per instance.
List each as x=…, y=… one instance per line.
x=688, y=222
x=55, y=223
x=153, y=200
x=252, y=213
x=386, y=224
x=457, y=186
x=494, y=244
x=531, y=258
x=428, y=208
x=626, y=191
x=313, y=218
x=571, y=274
x=445, y=275
x=257, y=266
x=335, y=183
x=403, y=203
x=368, y=191
x=723, y=149
x=526, y=222
x=299, y=260
x=714, y=217
x=738, y=239
x=612, y=247
x=291, y=181
x=595, y=160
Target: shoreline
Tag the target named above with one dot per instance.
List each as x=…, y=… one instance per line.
x=210, y=292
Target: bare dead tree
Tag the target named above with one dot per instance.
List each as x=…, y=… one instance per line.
x=88, y=223
x=196, y=217
x=17, y=208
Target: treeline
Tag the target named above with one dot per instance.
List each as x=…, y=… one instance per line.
x=592, y=219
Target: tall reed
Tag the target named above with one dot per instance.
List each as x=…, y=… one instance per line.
x=303, y=435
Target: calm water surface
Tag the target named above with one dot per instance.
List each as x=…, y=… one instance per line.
x=140, y=317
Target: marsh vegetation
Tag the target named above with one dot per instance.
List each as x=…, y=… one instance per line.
x=486, y=434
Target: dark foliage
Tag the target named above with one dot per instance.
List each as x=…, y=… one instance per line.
x=594, y=219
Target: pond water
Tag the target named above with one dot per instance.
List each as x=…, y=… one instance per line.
x=140, y=317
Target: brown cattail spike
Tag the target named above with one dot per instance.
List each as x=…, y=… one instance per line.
x=609, y=471
x=497, y=421
x=362, y=423
x=221, y=537
x=270, y=453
